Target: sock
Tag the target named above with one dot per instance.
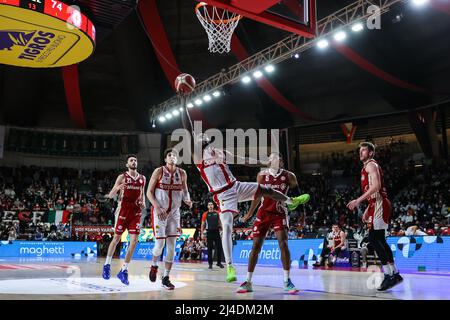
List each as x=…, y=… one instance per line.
x=249, y=276
x=227, y=243
x=155, y=263
x=387, y=270
x=108, y=260
x=394, y=268
x=125, y=267
x=286, y=275
x=289, y=201
x=166, y=272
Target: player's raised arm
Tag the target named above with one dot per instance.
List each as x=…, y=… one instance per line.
x=196, y=142
x=118, y=186
x=156, y=175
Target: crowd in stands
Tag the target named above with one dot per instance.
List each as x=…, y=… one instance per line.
x=419, y=193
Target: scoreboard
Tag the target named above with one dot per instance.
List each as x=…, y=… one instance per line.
x=21, y=21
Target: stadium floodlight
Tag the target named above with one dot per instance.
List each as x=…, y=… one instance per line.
x=207, y=97
x=257, y=74
x=246, y=79
x=190, y=105
x=269, y=68
x=419, y=3
x=357, y=27
x=169, y=116
x=322, y=44
x=198, y=102
x=175, y=112
x=340, y=36
x=216, y=94
x=162, y=119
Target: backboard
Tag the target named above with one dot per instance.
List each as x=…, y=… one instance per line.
x=296, y=16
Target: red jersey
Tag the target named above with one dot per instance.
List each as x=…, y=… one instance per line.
x=279, y=182
x=336, y=238
x=132, y=190
x=365, y=183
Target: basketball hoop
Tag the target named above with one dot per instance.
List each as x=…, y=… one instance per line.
x=219, y=25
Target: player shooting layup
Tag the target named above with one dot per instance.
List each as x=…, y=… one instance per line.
x=226, y=190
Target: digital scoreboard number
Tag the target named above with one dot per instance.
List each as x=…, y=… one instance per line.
x=35, y=5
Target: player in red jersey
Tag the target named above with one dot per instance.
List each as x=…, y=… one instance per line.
x=272, y=214
x=377, y=213
x=130, y=186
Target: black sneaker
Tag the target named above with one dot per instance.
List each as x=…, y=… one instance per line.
x=397, y=279
x=387, y=283
x=210, y=266
x=166, y=284
x=221, y=266
x=153, y=272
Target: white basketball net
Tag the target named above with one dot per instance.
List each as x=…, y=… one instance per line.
x=219, y=25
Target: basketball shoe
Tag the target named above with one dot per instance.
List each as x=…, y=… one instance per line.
x=166, y=284
x=123, y=276
x=289, y=287
x=245, y=287
x=231, y=273
x=153, y=273
x=296, y=201
x=106, y=271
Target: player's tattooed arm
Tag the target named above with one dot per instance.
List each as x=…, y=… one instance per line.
x=156, y=175
x=256, y=201
x=118, y=186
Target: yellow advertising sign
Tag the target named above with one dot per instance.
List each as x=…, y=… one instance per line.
x=49, y=35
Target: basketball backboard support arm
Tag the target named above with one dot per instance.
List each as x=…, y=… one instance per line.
x=308, y=31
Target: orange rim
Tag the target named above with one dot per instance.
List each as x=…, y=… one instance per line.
x=203, y=4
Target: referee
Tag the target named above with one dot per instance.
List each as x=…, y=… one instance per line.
x=211, y=222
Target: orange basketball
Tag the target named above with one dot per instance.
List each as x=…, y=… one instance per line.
x=184, y=83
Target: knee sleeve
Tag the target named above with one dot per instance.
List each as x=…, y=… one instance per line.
x=159, y=246
x=170, y=243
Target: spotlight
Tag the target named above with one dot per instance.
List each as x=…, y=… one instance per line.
x=216, y=94
x=357, y=27
x=269, y=68
x=340, y=36
x=198, y=102
x=246, y=79
x=419, y=3
x=162, y=119
x=169, y=116
x=207, y=98
x=190, y=105
x=296, y=55
x=180, y=109
x=397, y=18
x=257, y=74
x=322, y=44
x=153, y=124
x=175, y=112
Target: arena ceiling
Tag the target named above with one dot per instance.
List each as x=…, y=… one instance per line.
x=404, y=65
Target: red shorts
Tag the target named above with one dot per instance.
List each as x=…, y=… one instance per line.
x=266, y=220
x=128, y=217
x=378, y=214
